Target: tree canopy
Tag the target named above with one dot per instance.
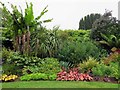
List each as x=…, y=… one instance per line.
x=87, y=21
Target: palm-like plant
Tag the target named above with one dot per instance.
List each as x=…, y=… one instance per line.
x=110, y=40
x=47, y=44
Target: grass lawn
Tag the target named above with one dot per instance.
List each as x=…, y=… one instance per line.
x=58, y=84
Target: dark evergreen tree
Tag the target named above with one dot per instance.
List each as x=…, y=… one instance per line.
x=82, y=23
x=87, y=21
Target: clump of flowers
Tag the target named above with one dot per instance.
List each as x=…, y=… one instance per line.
x=8, y=78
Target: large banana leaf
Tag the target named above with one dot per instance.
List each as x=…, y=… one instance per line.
x=29, y=16
x=42, y=13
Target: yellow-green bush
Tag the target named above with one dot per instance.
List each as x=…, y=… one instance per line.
x=88, y=64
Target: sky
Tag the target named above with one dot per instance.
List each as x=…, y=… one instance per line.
x=67, y=13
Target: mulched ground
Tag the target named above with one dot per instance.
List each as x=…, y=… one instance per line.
x=105, y=79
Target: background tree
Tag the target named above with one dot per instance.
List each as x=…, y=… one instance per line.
x=86, y=22
x=106, y=31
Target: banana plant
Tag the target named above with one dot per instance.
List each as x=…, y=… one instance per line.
x=22, y=25
x=32, y=24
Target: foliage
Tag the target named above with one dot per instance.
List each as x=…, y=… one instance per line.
x=8, y=64
x=21, y=26
x=6, y=22
x=47, y=66
x=101, y=70
x=8, y=69
x=88, y=64
x=86, y=22
x=26, y=65
x=38, y=76
x=47, y=44
x=27, y=61
x=17, y=59
x=104, y=70
x=115, y=67
x=6, y=54
x=73, y=74
x=30, y=69
x=66, y=65
x=106, y=25
x=8, y=78
x=113, y=57
x=75, y=52
x=74, y=35
x=52, y=77
x=13, y=60
x=110, y=41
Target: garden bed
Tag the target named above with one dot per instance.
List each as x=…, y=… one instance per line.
x=105, y=79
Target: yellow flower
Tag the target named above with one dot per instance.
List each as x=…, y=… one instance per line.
x=6, y=79
x=114, y=49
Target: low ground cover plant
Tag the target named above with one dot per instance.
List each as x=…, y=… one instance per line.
x=38, y=76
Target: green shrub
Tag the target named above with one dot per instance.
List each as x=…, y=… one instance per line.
x=76, y=34
x=76, y=51
x=28, y=64
x=99, y=70
x=8, y=63
x=113, y=57
x=73, y=35
x=52, y=77
x=38, y=76
x=18, y=59
x=88, y=64
x=47, y=66
x=30, y=69
x=115, y=70
x=79, y=35
x=11, y=69
x=27, y=61
x=104, y=70
x=13, y=60
x=7, y=55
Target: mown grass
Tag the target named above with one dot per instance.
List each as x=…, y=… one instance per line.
x=58, y=84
